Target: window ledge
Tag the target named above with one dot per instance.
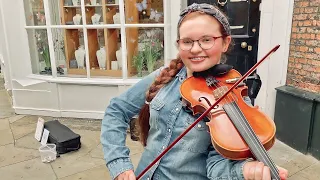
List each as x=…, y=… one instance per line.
x=84, y=81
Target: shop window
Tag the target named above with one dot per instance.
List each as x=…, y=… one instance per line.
x=99, y=39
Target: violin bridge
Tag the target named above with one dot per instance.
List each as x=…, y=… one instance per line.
x=220, y=91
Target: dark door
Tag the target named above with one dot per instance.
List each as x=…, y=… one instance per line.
x=244, y=18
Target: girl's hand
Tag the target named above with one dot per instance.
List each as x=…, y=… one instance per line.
x=127, y=175
x=258, y=171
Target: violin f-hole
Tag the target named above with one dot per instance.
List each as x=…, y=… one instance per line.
x=208, y=102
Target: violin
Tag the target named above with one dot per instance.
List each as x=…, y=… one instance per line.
x=238, y=131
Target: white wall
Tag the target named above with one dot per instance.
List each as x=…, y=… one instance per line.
x=275, y=28
x=4, y=58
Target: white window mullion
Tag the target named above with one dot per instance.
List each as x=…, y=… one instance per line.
x=166, y=33
x=50, y=41
x=85, y=37
x=123, y=41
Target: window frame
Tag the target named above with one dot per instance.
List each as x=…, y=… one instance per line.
x=88, y=79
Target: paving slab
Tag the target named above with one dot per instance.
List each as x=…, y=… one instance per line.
x=65, y=167
x=6, y=136
x=99, y=172
x=312, y=173
x=5, y=105
x=32, y=169
x=11, y=155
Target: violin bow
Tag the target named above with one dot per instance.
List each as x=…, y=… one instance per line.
x=206, y=112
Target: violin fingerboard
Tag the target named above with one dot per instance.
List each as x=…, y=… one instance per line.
x=241, y=123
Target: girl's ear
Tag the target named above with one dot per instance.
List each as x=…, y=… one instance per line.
x=226, y=43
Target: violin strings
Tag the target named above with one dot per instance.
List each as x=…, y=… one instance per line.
x=255, y=139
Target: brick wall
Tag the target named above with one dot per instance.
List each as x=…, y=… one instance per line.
x=304, y=57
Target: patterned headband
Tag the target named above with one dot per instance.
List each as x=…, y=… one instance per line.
x=208, y=9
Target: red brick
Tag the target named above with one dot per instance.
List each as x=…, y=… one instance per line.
x=302, y=60
x=312, y=42
x=303, y=48
x=300, y=17
x=306, y=36
x=315, y=3
x=317, y=50
x=311, y=30
x=304, y=4
x=295, y=23
x=309, y=9
x=307, y=23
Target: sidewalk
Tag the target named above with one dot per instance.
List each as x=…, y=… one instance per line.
x=19, y=155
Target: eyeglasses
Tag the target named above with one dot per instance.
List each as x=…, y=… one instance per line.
x=205, y=43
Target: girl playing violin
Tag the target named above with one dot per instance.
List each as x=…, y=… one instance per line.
x=203, y=37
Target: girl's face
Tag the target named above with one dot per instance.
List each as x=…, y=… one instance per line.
x=201, y=26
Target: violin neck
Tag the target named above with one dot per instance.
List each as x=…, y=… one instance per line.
x=247, y=133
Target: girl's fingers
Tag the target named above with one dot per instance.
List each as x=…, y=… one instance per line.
x=266, y=173
x=258, y=171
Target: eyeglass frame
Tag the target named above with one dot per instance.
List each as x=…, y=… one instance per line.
x=214, y=38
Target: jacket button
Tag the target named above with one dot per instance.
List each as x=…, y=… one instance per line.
x=199, y=125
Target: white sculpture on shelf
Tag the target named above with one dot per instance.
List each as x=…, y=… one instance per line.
x=102, y=57
x=77, y=19
x=75, y=2
x=80, y=54
x=95, y=18
x=119, y=58
x=114, y=65
x=116, y=18
x=93, y=2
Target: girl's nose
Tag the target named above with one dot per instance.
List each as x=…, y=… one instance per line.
x=196, y=48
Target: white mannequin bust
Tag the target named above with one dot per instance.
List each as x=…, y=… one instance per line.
x=101, y=55
x=80, y=54
x=95, y=18
x=77, y=19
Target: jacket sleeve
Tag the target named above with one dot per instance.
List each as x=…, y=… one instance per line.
x=116, y=121
x=219, y=168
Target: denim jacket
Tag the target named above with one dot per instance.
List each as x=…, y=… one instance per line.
x=193, y=157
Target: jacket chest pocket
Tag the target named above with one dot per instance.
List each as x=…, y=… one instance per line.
x=197, y=140
x=155, y=106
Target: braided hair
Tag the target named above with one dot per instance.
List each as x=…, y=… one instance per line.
x=166, y=75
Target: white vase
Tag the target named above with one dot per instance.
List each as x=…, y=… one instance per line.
x=119, y=58
x=114, y=65
x=93, y=2
x=116, y=18
x=101, y=55
x=75, y=2
x=95, y=18
x=77, y=19
x=80, y=54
